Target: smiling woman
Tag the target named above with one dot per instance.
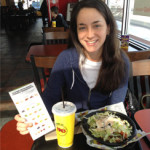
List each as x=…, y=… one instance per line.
x=95, y=39
x=92, y=31
x=93, y=70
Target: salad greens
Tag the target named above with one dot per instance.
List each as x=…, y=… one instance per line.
x=109, y=127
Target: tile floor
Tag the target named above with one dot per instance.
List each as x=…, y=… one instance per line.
x=14, y=71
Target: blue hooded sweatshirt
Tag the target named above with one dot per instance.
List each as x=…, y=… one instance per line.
x=66, y=73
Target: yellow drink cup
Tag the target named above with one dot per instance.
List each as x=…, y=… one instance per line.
x=64, y=123
x=54, y=24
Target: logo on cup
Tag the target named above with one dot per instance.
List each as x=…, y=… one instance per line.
x=61, y=129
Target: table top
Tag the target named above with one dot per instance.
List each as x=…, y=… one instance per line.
x=142, y=117
x=79, y=144
x=40, y=144
x=45, y=50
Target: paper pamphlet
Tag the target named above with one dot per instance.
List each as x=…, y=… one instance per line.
x=119, y=107
x=31, y=107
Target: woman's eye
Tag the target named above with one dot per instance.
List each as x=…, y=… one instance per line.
x=97, y=25
x=81, y=28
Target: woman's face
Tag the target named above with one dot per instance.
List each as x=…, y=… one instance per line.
x=92, y=30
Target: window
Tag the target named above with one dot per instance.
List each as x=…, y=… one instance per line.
x=139, y=26
x=133, y=18
x=26, y=3
x=116, y=6
x=36, y=5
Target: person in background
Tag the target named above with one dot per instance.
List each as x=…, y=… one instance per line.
x=20, y=5
x=93, y=71
x=31, y=8
x=44, y=11
x=56, y=16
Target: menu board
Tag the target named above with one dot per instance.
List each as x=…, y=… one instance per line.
x=31, y=107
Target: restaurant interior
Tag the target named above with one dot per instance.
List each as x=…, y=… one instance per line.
x=22, y=31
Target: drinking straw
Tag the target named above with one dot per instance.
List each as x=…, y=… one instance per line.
x=62, y=96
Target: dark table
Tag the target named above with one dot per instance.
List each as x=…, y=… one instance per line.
x=79, y=144
x=19, y=21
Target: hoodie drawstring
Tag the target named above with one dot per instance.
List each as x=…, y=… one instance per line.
x=72, y=79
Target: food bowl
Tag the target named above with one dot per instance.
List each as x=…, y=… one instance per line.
x=86, y=127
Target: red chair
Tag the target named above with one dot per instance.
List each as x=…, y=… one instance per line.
x=142, y=119
x=11, y=139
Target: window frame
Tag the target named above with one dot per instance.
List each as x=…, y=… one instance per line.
x=134, y=41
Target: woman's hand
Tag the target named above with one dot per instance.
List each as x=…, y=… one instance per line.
x=22, y=127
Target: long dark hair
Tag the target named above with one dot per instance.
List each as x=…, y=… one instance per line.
x=113, y=67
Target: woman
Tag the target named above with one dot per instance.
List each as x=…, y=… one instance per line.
x=93, y=71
